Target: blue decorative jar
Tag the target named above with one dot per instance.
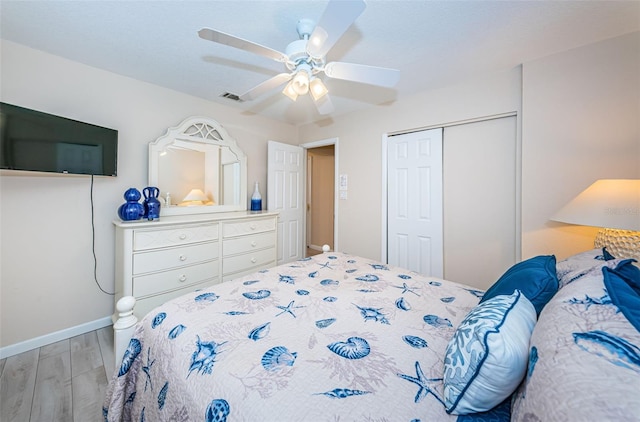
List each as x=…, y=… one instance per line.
x=151, y=203
x=132, y=209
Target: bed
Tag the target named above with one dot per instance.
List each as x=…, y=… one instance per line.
x=338, y=337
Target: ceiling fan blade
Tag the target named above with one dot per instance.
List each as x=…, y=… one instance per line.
x=265, y=86
x=324, y=105
x=380, y=76
x=336, y=19
x=233, y=41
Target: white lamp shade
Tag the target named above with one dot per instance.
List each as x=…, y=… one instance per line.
x=195, y=195
x=608, y=203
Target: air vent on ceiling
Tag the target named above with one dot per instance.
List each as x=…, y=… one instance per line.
x=231, y=96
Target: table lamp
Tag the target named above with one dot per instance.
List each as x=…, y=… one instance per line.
x=613, y=205
x=195, y=197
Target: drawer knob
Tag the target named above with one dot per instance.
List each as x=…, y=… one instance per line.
x=182, y=278
x=183, y=236
x=253, y=260
x=252, y=227
x=254, y=244
x=183, y=258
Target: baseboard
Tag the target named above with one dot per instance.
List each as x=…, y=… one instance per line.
x=46, y=339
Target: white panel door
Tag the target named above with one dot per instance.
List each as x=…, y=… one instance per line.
x=414, y=202
x=285, y=194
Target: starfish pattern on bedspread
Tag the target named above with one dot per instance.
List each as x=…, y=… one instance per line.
x=423, y=383
x=288, y=309
x=406, y=289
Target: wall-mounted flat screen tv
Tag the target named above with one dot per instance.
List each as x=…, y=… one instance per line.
x=31, y=140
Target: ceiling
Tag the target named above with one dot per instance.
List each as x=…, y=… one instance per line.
x=432, y=43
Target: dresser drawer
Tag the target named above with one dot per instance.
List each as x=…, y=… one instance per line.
x=246, y=244
x=238, y=263
x=144, y=239
x=144, y=306
x=239, y=228
x=156, y=283
x=164, y=259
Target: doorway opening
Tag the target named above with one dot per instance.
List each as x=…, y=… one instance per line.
x=320, y=199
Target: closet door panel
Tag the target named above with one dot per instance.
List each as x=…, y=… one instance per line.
x=480, y=177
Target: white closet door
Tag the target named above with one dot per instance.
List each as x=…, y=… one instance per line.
x=414, y=191
x=480, y=213
x=285, y=194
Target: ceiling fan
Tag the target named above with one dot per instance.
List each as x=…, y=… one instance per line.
x=305, y=57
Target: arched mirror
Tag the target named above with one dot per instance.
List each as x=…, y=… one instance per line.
x=199, y=168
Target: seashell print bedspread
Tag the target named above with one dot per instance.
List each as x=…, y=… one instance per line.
x=328, y=338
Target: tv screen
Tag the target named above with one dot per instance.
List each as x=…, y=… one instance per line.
x=31, y=140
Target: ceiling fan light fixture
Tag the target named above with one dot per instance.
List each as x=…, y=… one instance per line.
x=300, y=82
x=317, y=89
x=305, y=58
x=290, y=92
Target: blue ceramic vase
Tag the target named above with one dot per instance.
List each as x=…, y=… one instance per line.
x=151, y=203
x=132, y=209
x=256, y=199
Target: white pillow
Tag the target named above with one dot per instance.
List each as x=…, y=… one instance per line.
x=583, y=264
x=584, y=360
x=487, y=356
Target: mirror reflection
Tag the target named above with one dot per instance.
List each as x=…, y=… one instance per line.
x=198, y=169
x=208, y=175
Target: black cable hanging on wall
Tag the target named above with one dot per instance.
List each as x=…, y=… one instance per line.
x=93, y=245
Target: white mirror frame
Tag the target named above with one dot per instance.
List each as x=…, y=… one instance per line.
x=198, y=132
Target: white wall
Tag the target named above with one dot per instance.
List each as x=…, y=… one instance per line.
x=47, y=264
x=360, y=134
x=581, y=122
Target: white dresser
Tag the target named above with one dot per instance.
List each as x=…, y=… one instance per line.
x=162, y=259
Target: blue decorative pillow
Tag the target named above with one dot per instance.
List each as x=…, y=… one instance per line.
x=623, y=287
x=630, y=272
x=487, y=356
x=535, y=278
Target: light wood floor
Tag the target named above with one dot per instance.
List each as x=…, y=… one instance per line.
x=62, y=382
x=311, y=252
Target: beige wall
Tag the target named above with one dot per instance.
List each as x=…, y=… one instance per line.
x=581, y=122
x=46, y=264
x=360, y=145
